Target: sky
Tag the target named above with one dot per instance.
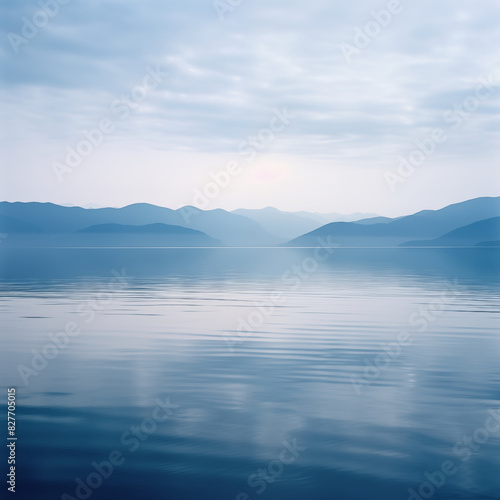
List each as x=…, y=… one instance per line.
x=385, y=107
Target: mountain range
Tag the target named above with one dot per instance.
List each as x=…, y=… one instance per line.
x=48, y=218
x=469, y=223
x=484, y=232
x=289, y=225
x=422, y=228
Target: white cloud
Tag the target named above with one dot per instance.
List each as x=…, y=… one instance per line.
x=224, y=79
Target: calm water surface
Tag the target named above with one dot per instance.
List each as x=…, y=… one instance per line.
x=253, y=352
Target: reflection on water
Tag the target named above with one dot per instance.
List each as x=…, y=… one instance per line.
x=257, y=351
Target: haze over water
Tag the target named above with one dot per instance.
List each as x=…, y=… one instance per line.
x=170, y=330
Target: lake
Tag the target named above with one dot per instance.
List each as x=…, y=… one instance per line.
x=253, y=373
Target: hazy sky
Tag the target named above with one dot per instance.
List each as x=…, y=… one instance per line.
x=310, y=105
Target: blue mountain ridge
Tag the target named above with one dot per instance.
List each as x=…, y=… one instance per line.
x=229, y=229
x=33, y=223
x=427, y=224
x=481, y=233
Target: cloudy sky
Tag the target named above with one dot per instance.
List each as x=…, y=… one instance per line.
x=309, y=105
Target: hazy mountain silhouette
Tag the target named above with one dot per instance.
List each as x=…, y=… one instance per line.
x=148, y=229
x=144, y=224
x=286, y=225
x=115, y=235
x=427, y=224
x=482, y=233
x=376, y=220
x=290, y=225
x=336, y=217
x=148, y=235
x=228, y=228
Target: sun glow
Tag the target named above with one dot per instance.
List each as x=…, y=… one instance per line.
x=269, y=173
